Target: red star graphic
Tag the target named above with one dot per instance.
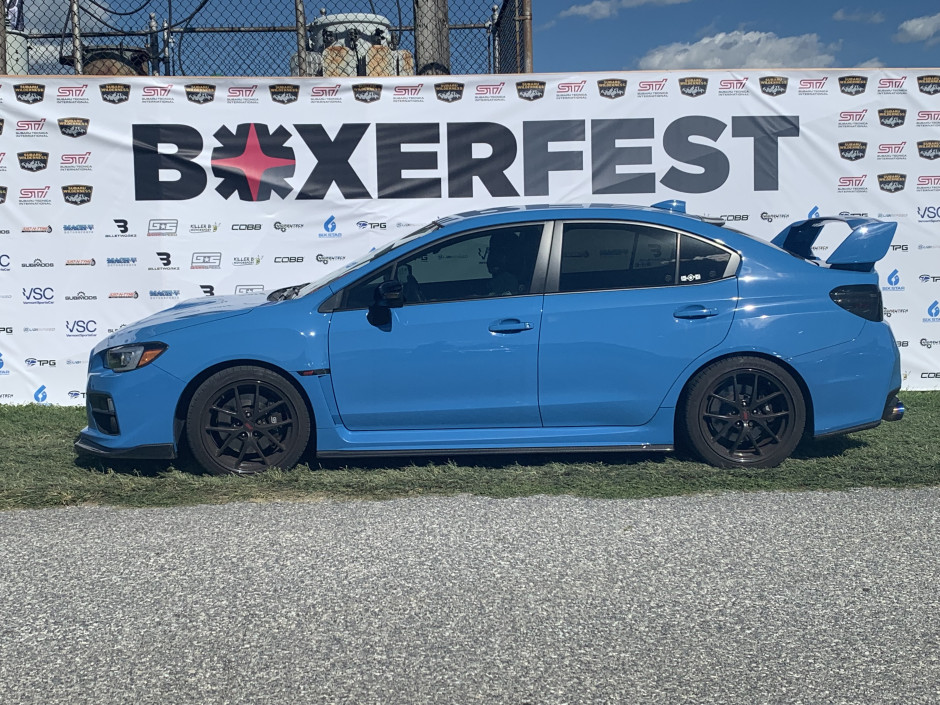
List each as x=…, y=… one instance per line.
x=252, y=162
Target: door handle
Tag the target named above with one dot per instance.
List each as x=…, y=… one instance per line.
x=509, y=325
x=695, y=311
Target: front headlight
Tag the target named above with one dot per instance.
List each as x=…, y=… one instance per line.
x=125, y=358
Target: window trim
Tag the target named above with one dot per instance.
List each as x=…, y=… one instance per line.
x=553, y=279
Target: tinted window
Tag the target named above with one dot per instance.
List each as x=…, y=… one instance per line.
x=701, y=261
x=493, y=262
x=615, y=256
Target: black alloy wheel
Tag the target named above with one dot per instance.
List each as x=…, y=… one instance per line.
x=744, y=411
x=244, y=420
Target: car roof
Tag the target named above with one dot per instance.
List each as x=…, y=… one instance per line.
x=544, y=211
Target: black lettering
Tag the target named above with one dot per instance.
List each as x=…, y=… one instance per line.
x=539, y=161
x=713, y=162
x=491, y=170
x=148, y=162
x=766, y=130
x=606, y=156
x=391, y=160
x=332, y=161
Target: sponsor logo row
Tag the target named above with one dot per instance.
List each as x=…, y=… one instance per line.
x=452, y=91
x=166, y=261
x=169, y=227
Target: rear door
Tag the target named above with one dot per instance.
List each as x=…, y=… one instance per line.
x=627, y=308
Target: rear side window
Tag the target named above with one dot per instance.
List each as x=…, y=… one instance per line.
x=597, y=256
x=701, y=261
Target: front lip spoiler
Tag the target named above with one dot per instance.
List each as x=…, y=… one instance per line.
x=155, y=451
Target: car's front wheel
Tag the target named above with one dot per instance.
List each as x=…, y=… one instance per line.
x=743, y=411
x=244, y=420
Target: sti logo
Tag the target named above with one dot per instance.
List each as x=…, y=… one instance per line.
x=928, y=115
x=490, y=89
x=928, y=180
x=651, y=86
x=72, y=91
x=324, y=91
x=813, y=83
x=31, y=193
x=892, y=82
x=732, y=84
x=242, y=91
x=156, y=91
x=408, y=90
x=76, y=158
x=891, y=148
x=571, y=88
x=853, y=115
x=30, y=125
x=852, y=180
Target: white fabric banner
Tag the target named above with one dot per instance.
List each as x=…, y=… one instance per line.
x=123, y=196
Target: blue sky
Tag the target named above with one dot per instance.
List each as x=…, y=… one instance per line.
x=609, y=35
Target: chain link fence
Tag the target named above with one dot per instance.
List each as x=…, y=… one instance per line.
x=265, y=37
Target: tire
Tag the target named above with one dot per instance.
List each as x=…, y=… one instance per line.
x=244, y=420
x=743, y=412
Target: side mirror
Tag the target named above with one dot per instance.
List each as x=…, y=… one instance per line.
x=388, y=295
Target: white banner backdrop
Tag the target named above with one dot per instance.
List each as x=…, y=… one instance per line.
x=122, y=196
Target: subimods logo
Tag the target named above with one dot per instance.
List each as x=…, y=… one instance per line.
x=255, y=161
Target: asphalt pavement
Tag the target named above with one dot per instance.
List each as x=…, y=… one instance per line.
x=733, y=598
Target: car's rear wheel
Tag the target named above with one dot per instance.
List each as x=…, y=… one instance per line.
x=244, y=420
x=743, y=411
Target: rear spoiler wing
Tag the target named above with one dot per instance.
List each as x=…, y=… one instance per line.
x=866, y=244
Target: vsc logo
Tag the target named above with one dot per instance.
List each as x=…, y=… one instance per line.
x=38, y=295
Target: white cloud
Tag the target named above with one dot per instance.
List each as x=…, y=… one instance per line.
x=604, y=9
x=872, y=63
x=919, y=29
x=843, y=15
x=742, y=50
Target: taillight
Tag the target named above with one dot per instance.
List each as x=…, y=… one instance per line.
x=861, y=299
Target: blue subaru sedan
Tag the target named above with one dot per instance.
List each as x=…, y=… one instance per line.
x=535, y=328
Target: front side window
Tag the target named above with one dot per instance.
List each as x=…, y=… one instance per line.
x=488, y=263
x=596, y=256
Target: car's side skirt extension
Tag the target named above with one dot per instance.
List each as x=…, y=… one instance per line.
x=647, y=448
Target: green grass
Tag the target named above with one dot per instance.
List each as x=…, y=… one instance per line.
x=38, y=468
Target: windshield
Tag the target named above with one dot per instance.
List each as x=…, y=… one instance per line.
x=370, y=256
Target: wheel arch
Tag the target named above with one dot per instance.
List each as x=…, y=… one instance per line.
x=186, y=397
x=793, y=372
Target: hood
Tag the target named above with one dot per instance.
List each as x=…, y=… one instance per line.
x=185, y=314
